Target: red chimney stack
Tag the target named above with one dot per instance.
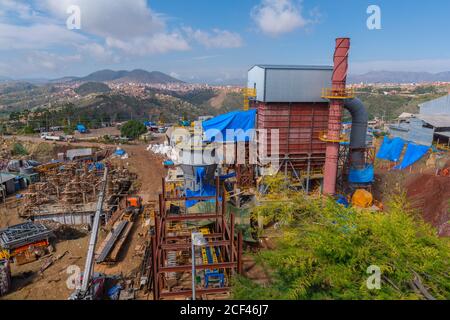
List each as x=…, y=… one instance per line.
x=335, y=117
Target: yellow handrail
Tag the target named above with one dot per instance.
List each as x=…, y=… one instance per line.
x=248, y=93
x=346, y=93
x=323, y=136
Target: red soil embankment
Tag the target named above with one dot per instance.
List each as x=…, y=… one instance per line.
x=431, y=195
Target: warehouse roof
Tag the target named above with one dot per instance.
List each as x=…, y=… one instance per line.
x=5, y=177
x=437, y=121
x=444, y=133
x=72, y=154
x=437, y=106
x=292, y=67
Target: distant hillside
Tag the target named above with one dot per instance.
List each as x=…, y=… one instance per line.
x=399, y=77
x=64, y=79
x=140, y=76
x=92, y=87
x=4, y=79
x=13, y=87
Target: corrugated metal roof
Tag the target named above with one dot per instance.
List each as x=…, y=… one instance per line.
x=71, y=154
x=436, y=107
x=292, y=67
x=444, y=133
x=437, y=121
x=4, y=177
x=406, y=115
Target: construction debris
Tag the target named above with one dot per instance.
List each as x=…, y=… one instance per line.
x=24, y=242
x=67, y=192
x=5, y=277
x=51, y=260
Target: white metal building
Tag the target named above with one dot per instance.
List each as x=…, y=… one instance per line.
x=274, y=83
x=431, y=124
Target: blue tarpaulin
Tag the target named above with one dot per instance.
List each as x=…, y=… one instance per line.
x=120, y=152
x=343, y=201
x=81, y=128
x=200, y=173
x=114, y=292
x=414, y=153
x=244, y=121
x=96, y=165
x=149, y=124
x=206, y=191
x=228, y=176
x=362, y=175
x=391, y=149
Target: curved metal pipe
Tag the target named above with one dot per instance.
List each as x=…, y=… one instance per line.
x=358, y=136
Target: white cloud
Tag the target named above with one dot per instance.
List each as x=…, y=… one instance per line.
x=111, y=32
x=36, y=36
x=130, y=26
x=119, y=19
x=15, y=8
x=275, y=17
x=216, y=39
x=158, y=43
x=36, y=62
x=99, y=52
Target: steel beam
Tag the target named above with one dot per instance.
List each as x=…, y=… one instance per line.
x=188, y=293
x=187, y=268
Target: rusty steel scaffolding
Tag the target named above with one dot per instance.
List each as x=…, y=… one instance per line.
x=165, y=243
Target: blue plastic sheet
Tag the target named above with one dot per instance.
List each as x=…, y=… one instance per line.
x=114, y=292
x=343, y=201
x=414, y=153
x=120, y=152
x=241, y=121
x=96, y=165
x=206, y=191
x=81, y=128
x=149, y=124
x=200, y=173
x=391, y=149
x=227, y=176
x=362, y=175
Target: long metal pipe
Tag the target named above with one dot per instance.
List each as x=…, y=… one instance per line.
x=335, y=115
x=89, y=266
x=358, y=136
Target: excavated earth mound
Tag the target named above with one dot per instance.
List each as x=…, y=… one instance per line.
x=430, y=195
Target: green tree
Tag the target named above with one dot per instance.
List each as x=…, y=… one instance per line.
x=19, y=150
x=28, y=130
x=133, y=129
x=323, y=251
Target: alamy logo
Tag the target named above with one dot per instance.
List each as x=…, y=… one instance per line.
x=74, y=280
x=73, y=22
x=374, y=20
x=374, y=281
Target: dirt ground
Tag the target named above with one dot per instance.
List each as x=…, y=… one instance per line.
x=431, y=196
x=29, y=284
x=428, y=194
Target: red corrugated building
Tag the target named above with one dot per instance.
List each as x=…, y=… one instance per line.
x=289, y=98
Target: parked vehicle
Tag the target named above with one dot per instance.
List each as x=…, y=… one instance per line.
x=50, y=137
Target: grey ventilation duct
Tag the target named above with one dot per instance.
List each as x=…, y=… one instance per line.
x=358, y=136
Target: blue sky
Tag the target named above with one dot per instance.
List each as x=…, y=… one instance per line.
x=199, y=40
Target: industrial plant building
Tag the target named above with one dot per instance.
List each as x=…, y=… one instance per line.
x=432, y=124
